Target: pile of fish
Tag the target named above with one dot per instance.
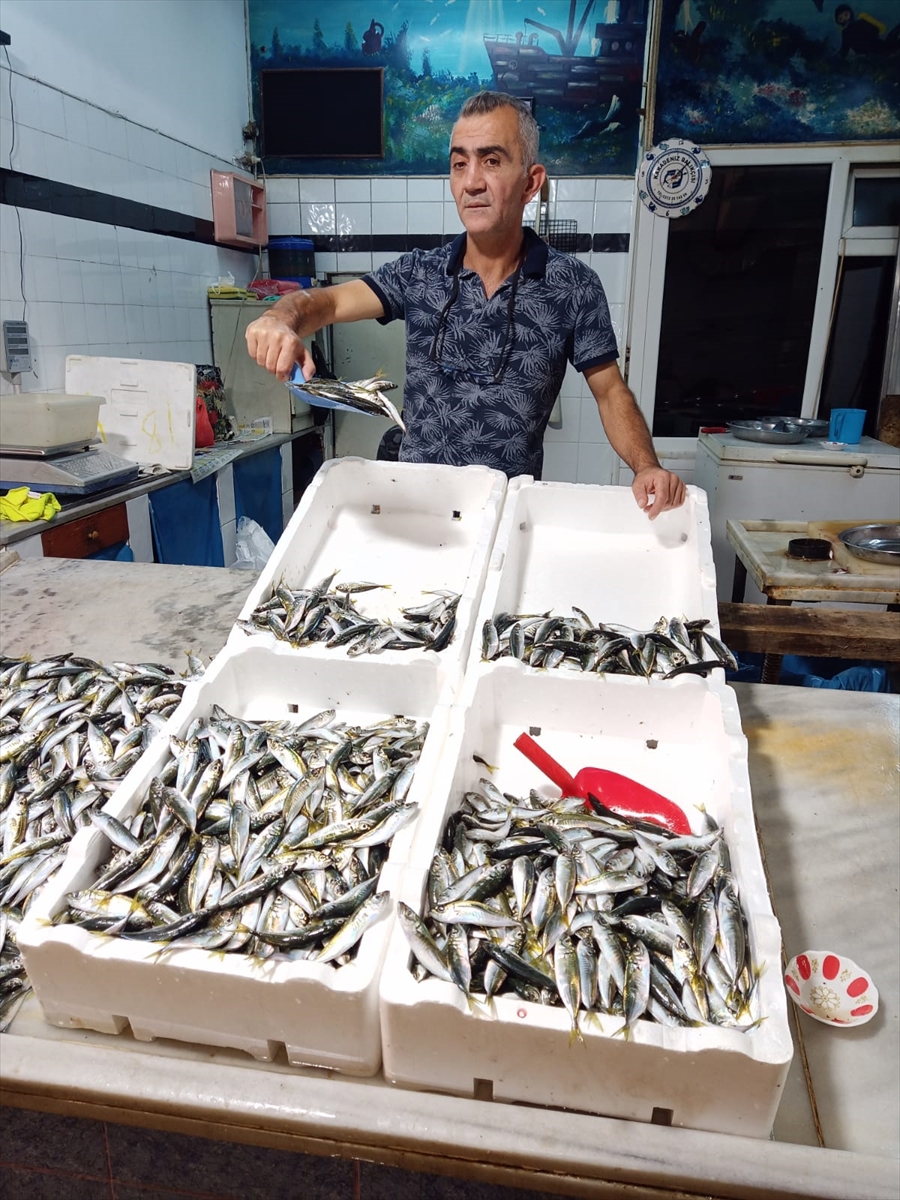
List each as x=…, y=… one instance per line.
x=673, y=646
x=266, y=838
x=326, y=614
x=363, y=396
x=70, y=729
x=585, y=909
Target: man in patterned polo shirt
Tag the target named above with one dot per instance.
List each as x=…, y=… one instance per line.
x=492, y=319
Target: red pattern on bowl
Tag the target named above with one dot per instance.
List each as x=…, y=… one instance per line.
x=831, y=988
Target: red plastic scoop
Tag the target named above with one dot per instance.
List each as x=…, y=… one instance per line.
x=617, y=792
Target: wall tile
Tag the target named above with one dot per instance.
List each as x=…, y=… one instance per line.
x=425, y=217
x=53, y=119
x=97, y=331
x=353, y=218
x=570, y=407
x=75, y=324
x=314, y=190
x=614, y=190
x=612, y=217
x=452, y=223
x=5, y=138
x=352, y=191
x=596, y=464
x=115, y=323
x=613, y=271
x=574, y=210
x=116, y=139
x=283, y=190
x=76, y=120
x=560, y=462
x=575, y=189
x=326, y=260
x=389, y=218
x=386, y=191
x=425, y=189
x=26, y=101
x=42, y=282
x=70, y=291
x=316, y=218
x=354, y=261
x=283, y=219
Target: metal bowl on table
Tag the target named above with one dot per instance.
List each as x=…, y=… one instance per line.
x=771, y=430
x=811, y=426
x=874, y=543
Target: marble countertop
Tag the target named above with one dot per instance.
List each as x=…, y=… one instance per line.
x=823, y=770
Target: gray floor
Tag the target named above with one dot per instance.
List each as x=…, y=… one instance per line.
x=45, y=1157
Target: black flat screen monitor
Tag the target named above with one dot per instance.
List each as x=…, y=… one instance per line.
x=323, y=112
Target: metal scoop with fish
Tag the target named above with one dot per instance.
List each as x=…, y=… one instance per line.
x=364, y=396
x=624, y=796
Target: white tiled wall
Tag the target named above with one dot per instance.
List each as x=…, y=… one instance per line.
x=578, y=451
x=101, y=289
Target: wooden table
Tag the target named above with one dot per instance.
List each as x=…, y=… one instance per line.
x=823, y=774
x=761, y=550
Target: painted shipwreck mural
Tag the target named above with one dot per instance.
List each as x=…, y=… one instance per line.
x=778, y=71
x=579, y=62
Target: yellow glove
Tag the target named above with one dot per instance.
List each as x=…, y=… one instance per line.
x=19, y=505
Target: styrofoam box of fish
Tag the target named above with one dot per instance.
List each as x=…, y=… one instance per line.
x=324, y=1015
x=683, y=740
x=565, y=544
x=415, y=528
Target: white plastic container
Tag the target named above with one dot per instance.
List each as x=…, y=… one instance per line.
x=560, y=544
x=42, y=420
x=414, y=527
x=324, y=1016
x=148, y=407
x=710, y=1078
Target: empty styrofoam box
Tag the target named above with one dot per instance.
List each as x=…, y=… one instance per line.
x=149, y=407
x=564, y=544
x=414, y=527
x=684, y=741
x=324, y=1016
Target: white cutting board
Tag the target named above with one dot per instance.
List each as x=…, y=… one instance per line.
x=149, y=407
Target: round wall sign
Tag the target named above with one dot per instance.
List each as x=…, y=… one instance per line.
x=674, y=178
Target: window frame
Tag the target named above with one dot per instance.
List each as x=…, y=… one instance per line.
x=650, y=244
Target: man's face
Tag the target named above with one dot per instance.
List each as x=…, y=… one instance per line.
x=487, y=178
x=844, y=17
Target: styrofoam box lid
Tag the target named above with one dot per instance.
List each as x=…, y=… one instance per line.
x=75, y=974
x=711, y=1077
x=148, y=414
x=414, y=527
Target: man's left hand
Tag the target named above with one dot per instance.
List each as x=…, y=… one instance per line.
x=656, y=490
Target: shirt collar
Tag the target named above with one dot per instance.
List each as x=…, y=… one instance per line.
x=535, y=263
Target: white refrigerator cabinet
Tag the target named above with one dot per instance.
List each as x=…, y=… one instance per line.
x=754, y=481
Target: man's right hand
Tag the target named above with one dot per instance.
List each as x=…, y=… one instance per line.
x=276, y=346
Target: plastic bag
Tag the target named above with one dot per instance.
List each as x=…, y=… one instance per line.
x=253, y=546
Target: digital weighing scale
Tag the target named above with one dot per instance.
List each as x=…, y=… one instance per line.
x=73, y=469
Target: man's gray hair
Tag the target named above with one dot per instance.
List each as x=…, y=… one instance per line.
x=487, y=102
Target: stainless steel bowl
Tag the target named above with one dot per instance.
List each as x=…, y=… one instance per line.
x=811, y=426
x=771, y=431
x=874, y=543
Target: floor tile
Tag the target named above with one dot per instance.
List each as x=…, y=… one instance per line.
x=21, y=1184
x=140, y=1191
x=176, y=1161
x=391, y=1183
x=35, y=1139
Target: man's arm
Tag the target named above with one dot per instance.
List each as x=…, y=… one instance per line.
x=630, y=438
x=274, y=339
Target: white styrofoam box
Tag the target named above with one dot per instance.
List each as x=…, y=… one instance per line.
x=414, y=527
x=710, y=1078
x=560, y=544
x=149, y=410
x=323, y=1016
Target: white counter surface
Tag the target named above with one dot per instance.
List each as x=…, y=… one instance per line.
x=823, y=769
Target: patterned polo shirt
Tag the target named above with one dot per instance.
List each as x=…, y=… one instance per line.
x=482, y=375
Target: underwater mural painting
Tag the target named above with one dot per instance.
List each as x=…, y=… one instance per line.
x=578, y=62
x=778, y=71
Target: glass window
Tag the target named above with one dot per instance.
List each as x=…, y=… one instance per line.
x=739, y=296
x=856, y=351
x=876, y=200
